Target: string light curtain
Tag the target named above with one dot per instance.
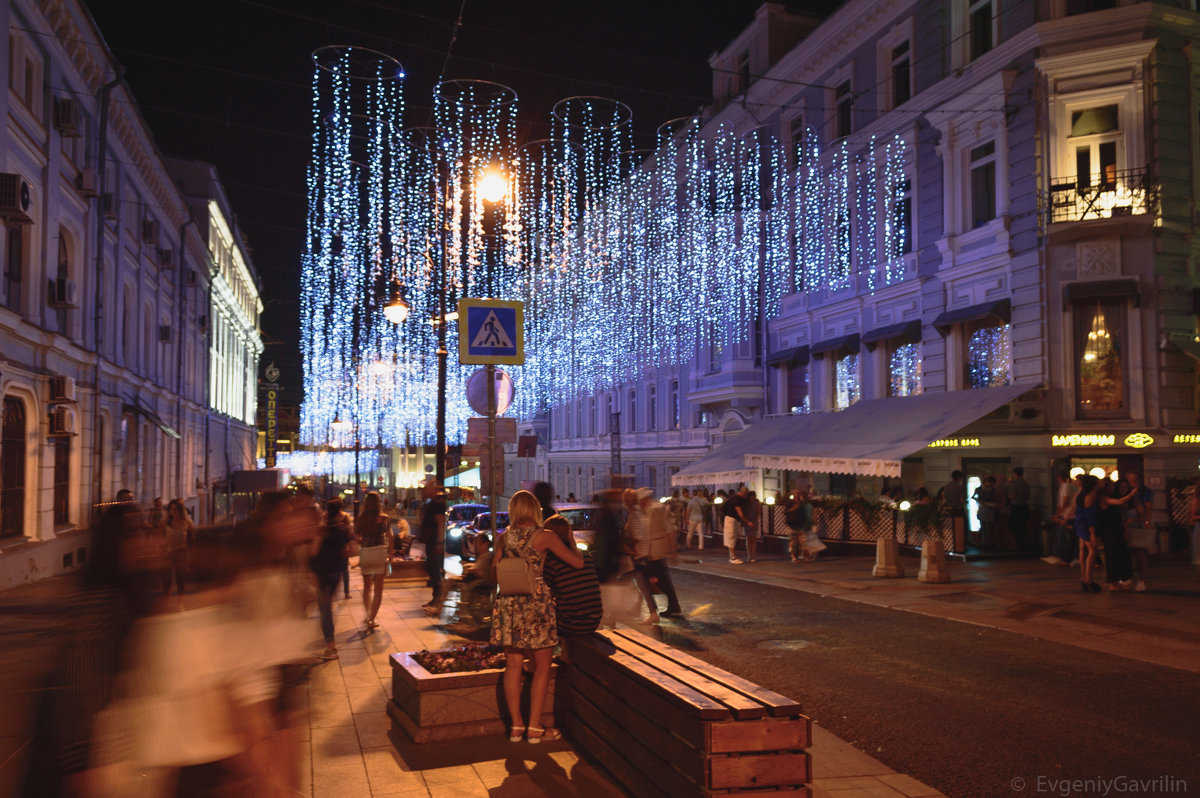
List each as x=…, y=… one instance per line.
x=626, y=259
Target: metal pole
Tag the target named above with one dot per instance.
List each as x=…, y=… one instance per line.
x=439, y=455
x=494, y=472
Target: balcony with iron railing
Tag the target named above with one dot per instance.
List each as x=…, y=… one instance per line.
x=1104, y=195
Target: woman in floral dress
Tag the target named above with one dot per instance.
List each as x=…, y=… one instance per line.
x=526, y=625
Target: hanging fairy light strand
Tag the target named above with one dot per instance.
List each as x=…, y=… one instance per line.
x=625, y=259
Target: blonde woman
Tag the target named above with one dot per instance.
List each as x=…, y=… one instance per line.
x=526, y=625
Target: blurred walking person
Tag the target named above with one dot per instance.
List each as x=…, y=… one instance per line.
x=330, y=555
x=176, y=539
x=661, y=547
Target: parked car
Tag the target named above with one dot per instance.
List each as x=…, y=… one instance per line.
x=482, y=522
x=457, y=518
x=583, y=521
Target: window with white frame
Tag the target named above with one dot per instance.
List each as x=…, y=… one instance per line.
x=982, y=166
x=981, y=16
x=847, y=387
x=633, y=419
x=652, y=408
x=989, y=354
x=904, y=369
x=797, y=136
x=843, y=103
x=674, y=404
x=901, y=73
x=26, y=66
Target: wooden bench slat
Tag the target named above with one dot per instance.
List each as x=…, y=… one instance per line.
x=642, y=756
x=763, y=734
x=766, y=770
x=739, y=704
x=776, y=704
x=703, y=706
x=617, y=766
x=652, y=730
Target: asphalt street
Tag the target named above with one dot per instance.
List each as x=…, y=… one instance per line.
x=969, y=710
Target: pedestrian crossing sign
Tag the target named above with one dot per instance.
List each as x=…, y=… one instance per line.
x=491, y=331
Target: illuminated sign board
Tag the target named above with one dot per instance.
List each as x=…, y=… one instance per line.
x=1138, y=440
x=945, y=443
x=1083, y=440
x=1186, y=437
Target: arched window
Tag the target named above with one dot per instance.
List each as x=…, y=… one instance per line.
x=63, y=273
x=12, y=469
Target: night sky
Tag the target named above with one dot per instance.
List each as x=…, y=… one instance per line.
x=228, y=81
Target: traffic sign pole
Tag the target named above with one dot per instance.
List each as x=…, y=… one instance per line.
x=491, y=448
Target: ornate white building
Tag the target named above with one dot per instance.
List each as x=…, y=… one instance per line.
x=111, y=293
x=1036, y=288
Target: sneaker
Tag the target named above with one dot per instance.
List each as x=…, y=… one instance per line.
x=1140, y=587
x=736, y=561
x=329, y=653
x=1052, y=560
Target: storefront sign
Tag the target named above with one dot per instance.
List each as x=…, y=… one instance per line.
x=946, y=443
x=1186, y=437
x=1083, y=440
x=271, y=433
x=1138, y=440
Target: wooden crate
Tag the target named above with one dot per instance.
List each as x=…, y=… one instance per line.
x=665, y=723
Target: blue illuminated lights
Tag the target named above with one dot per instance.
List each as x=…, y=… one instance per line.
x=626, y=259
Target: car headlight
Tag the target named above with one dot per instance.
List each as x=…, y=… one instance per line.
x=456, y=533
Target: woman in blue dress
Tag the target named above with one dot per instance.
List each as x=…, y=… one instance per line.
x=526, y=625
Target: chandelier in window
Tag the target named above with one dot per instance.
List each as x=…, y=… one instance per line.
x=1099, y=342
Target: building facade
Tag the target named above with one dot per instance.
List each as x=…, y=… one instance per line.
x=105, y=304
x=1032, y=261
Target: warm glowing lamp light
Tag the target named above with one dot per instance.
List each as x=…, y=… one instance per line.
x=339, y=425
x=491, y=185
x=396, y=310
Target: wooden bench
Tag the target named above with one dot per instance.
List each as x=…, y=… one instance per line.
x=664, y=723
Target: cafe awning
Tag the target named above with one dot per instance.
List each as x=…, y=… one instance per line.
x=726, y=464
x=873, y=436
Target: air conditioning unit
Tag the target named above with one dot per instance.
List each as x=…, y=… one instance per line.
x=63, y=421
x=86, y=182
x=150, y=231
x=16, y=198
x=65, y=293
x=66, y=118
x=62, y=388
x=165, y=333
x=111, y=206
x=166, y=257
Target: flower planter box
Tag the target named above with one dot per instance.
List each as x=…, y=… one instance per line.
x=431, y=707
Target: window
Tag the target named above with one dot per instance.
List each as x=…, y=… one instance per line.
x=904, y=370
x=1100, y=365
x=846, y=382
x=743, y=72
x=900, y=242
x=1095, y=134
x=652, y=408
x=796, y=134
x=982, y=17
x=716, y=350
x=25, y=68
x=797, y=388
x=983, y=184
x=62, y=481
x=633, y=420
x=843, y=100
x=14, y=266
x=674, y=404
x=579, y=419
x=611, y=416
x=63, y=272
x=901, y=74
x=989, y=355
x=12, y=469
x=592, y=420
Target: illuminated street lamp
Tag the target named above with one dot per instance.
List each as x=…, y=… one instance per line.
x=396, y=308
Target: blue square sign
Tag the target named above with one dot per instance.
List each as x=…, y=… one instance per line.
x=491, y=331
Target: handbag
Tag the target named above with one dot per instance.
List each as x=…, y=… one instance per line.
x=514, y=576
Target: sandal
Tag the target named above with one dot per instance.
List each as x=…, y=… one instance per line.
x=531, y=737
x=515, y=733
x=551, y=734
